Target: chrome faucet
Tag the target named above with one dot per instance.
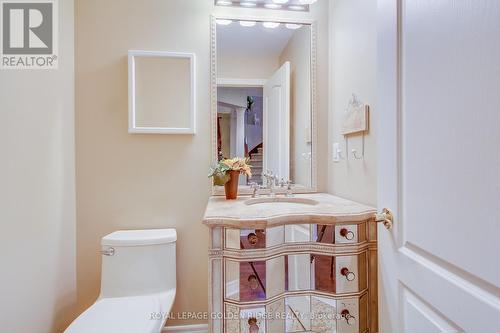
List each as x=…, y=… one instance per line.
x=288, y=184
x=271, y=181
x=255, y=187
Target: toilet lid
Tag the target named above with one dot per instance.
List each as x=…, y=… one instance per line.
x=138, y=314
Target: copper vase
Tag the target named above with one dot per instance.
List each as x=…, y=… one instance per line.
x=231, y=187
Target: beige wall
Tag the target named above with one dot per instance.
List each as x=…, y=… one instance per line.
x=162, y=92
x=37, y=192
x=150, y=181
x=353, y=34
x=246, y=68
x=298, y=54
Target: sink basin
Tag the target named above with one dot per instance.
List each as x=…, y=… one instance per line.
x=284, y=200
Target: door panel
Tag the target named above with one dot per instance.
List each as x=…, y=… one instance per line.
x=439, y=130
x=420, y=317
x=276, y=128
x=450, y=106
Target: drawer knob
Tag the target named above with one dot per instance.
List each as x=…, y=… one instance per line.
x=347, y=234
x=252, y=325
x=252, y=239
x=253, y=283
x=350, y=276
x=348, y=317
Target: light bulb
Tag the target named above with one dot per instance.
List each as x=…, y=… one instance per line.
x=224, y=3
x=295, y=7
x=292, y=26
x=271, y=25
x=280, y=1
x=247, y=23
x=223, y=22
x=272, y=6
x=248, y=4
x=307, y=2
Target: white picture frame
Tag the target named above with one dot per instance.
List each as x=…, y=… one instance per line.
x=132, y=110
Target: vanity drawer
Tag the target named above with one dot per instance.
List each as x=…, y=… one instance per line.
x=301, y=313
x=245, y=319
x=339, y=274
x=260, y=280
x=339, y=234
x=252, y=239
x=250, y=281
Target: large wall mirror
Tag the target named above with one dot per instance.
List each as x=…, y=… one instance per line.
x=263, y=98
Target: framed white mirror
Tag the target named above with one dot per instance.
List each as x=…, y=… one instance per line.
x=162, y=92
x=264, y=98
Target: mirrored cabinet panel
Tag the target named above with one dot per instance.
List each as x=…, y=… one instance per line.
x=339, y=234
x=298, y=268
x=297, y=233
x=339, y=274
x=248, y=239
x=245, y=319
x=245, y=281
x=276, y=318
x=324, y=273
x=298, y=314
x=324, y=312
x=253, y=320
x=275, y=268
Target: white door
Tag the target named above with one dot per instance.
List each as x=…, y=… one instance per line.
x=276, y=127
x=439, y=165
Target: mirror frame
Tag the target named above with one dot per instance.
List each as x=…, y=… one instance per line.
x=245, y=190
x=132, y=127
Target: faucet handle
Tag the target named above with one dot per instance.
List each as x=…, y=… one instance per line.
x=283, y=182
x=255, y=187
x=289, y=187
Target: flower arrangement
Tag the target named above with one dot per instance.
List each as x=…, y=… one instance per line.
x=226, y=173
x=220, y=173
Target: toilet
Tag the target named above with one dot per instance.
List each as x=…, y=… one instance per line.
x=138, y=283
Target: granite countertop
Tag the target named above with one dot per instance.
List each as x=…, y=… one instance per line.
x=320, y=208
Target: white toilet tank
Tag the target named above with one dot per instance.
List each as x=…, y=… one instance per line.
x=138, y=262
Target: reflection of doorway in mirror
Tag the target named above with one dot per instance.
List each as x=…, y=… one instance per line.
x=239, y=126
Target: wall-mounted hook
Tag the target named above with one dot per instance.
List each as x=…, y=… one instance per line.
x=355, y=154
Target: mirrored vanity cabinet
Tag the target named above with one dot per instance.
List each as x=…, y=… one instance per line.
x=306, y=263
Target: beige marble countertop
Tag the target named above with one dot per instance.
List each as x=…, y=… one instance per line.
x=320, y=208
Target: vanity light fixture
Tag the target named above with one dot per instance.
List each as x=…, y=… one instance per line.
x=290, y=5
x=293, y=26
x=296, y=7
x=272, y=6
x=248, y=23
x=224, y=2
x=223, y=22
x=271, y=25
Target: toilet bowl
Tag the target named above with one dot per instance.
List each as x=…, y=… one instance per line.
x=138, y=283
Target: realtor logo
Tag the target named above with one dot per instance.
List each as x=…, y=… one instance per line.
x=29, y=34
